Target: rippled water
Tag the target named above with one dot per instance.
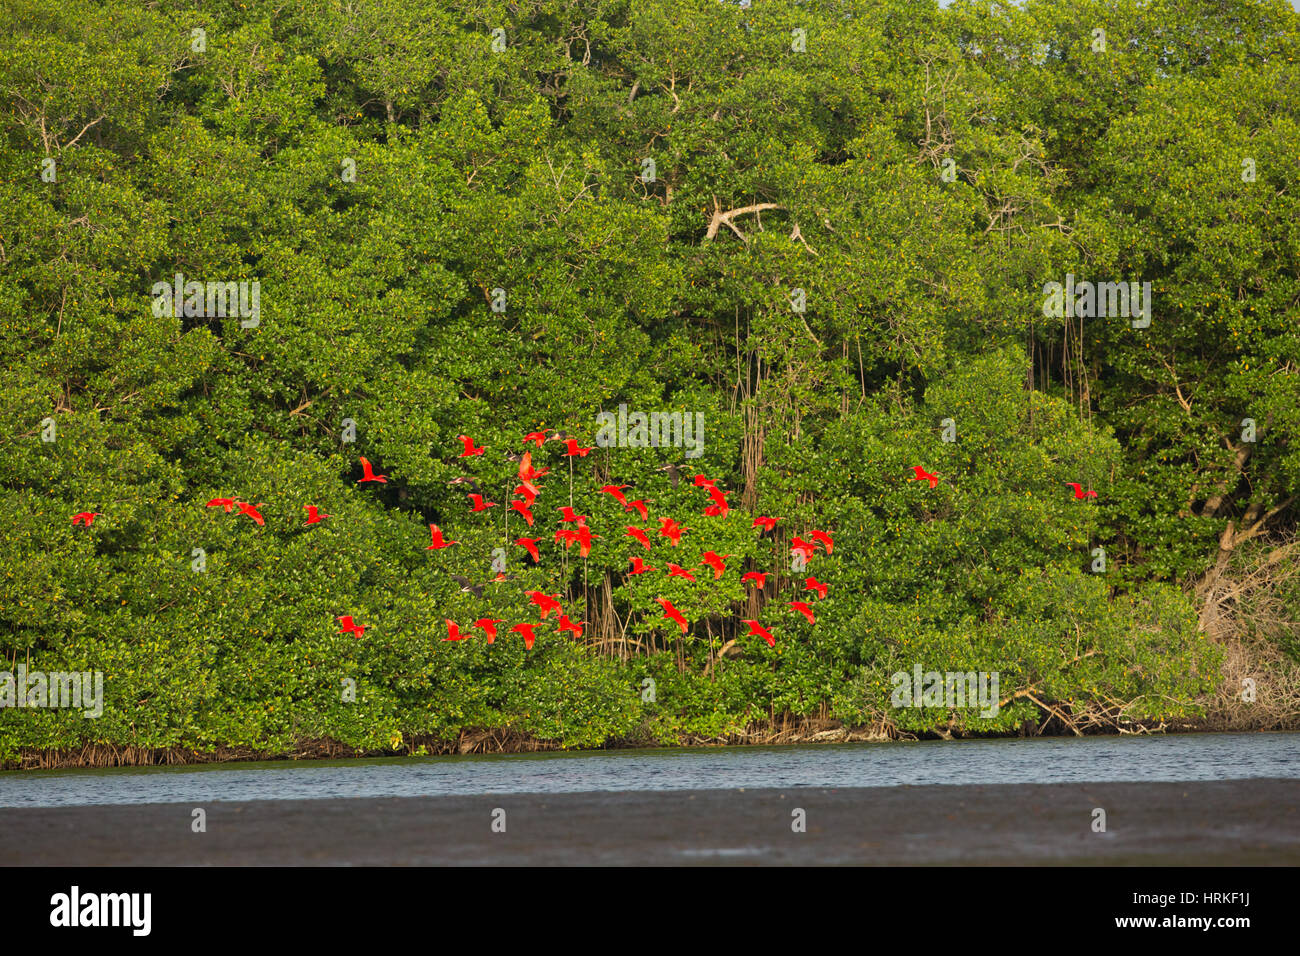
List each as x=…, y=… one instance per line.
x=1017, y=760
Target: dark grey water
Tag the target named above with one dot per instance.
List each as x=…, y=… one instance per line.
x=1016, y=760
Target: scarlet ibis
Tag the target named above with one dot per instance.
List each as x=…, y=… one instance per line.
x=640, y=507
x=480, y=504
x=758, y=629
x=86, y=517
x=566, y=625
x=923, y=475
x=764, y=522
x=530, y=545
x=467, y=586
x=616, y=492
x=536, y=437
x=672, y=613
x=827, y=542
x=702, y=482
x=226, y=503
x=759, y=578
x=523, y=510
x=568, y=514
x=571, y=445
x=584, y=536
x=526, y=470
x=559, y=436
x=714, y=561
x=251, y=510
x=719, y=500
x=639, y=566
x=638, y=535
x=545, y=602
x=806, y=548
x=1079, y=493
x=805, y=610
x=527, y=631
x=349, y=627
x=314, y=515
x=435, y=534
x=529, y=492
x=470, y=451
x=714, y=511
x=671, y=530
x=677, y=571
x=368, y=473
x=812, y=584
x=453, y=631
x=567, y=535
x=488, y=625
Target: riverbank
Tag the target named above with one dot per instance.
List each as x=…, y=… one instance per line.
x=1224, y=822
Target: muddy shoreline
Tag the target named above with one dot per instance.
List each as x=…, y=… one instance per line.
x=481, y=741
x=1218, y=823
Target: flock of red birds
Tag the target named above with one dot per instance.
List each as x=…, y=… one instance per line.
x=581, y=534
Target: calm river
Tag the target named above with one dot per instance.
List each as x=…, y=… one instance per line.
x=1016, y=760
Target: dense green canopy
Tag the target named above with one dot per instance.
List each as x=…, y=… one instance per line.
x=656, y=187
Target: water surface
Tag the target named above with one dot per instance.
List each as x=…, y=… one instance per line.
x=1014, y=760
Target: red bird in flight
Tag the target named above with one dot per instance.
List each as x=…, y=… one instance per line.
x=314, y=515
x=827, y=541
x=251, y=510
x=923, y=475
x=537, y=437
x=640, y=507
x=86, y=517
x=805, y=610
x=566, y=625
x=583, y=536
x=523, y=510
x=812, y=584
x=807, y=548
x=470, y=451
x=672, y=613
x=488, y=625
x=671, y=530
x=453, y=631
x=677, y=571
x=529, y=492
x=1079, y=493
x=527, y=631
x=530, y=545
x=480, y=504
x=757, y=577
x=761, y=631
x=368, y=473
x=714, y=561
x=572, y=445
x=568, y=514
x=616, y=492
x=764, y=522
x=639, y=566
x=226, y=503
x=546, y=603
x=350, y=628
x=435, y=534
x=638, y=535
x=719, y=500
x=702, y=482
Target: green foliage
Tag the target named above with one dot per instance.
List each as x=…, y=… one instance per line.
x=521, y=169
